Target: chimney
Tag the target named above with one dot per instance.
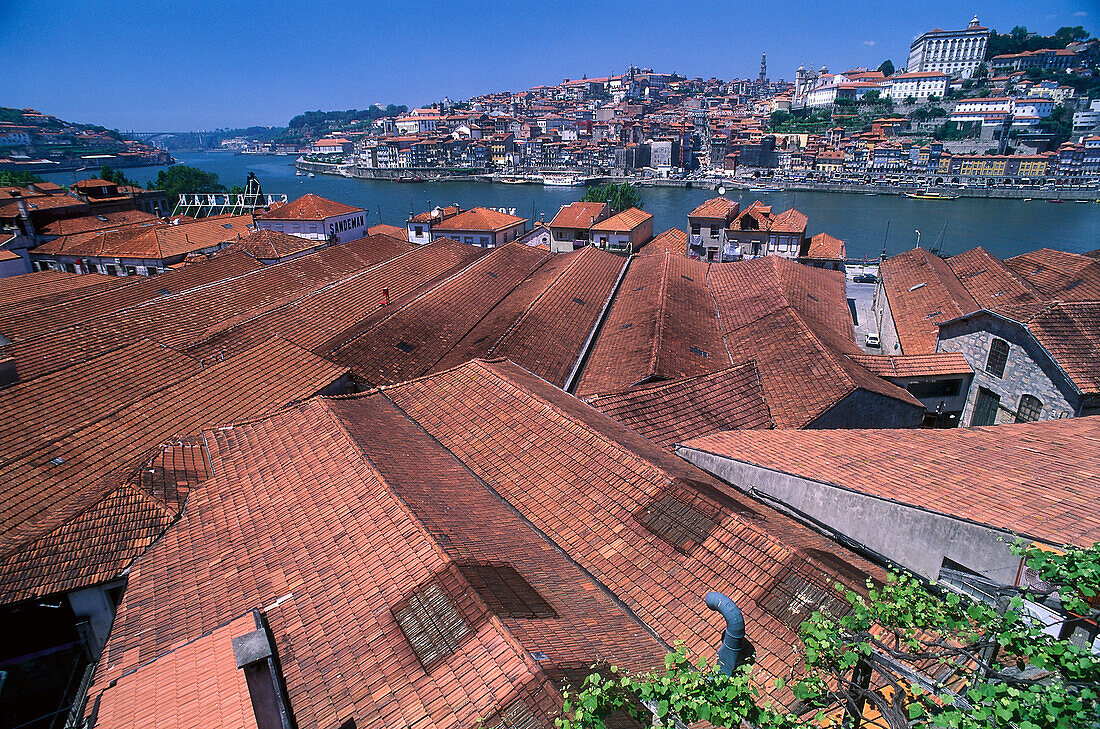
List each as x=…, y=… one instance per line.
x=254, y=656
x=385, y=297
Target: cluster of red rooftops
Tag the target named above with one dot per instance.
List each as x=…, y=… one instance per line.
x=292, y=470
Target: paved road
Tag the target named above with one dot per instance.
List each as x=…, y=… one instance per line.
x=860, y=297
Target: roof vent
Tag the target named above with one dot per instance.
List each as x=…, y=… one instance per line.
x=57, y=460
x=405, y=346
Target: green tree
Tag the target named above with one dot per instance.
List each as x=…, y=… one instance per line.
x=619, y=196
x=17, y=179
x=886, y=67
x=180, y=179
x=779, y=118
x=918, y=655
x=910, y=99
x=110, y=174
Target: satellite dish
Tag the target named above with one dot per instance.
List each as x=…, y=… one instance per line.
x=436, y=213
x=721, y=190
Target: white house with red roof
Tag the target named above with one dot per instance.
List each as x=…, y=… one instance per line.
x=483, y=227
x=316, y=218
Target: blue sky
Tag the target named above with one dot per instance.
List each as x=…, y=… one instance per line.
x=174, y=66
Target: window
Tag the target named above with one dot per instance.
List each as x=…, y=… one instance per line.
x=986, y=403
x=153, y=271
x=111, y=270
x=131, y=270
x=506, y=591
x=678, y=518
x=714, y=232
x=798, y=595
x=998, y=358
x=418, y=230
x=695, y=229
x=431, y=623
x=1030, y=409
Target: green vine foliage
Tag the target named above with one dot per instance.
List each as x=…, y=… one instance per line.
x=915, y=655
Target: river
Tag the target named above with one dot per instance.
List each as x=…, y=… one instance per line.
x=1004, y=227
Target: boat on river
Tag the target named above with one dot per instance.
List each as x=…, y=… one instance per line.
x=513, y=180
x=764, y=189
x=559, y=179
x=930, y=195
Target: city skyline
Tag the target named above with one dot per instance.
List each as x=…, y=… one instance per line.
x=181, y=70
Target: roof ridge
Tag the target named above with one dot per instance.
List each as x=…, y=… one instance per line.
x=204, y=337
x=659, y=320
x=718, y=314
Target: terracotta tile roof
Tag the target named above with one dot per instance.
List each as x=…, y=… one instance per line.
x=717, y=208
x=672, y=241
x=102, y=221
x=826, y=247
x=308, y=207
x=789, y=221
x=1069, y=331
x=1034, y=479
x=990, y=281
x=517, y=301
x=337, y=311
x=50, y=483
x=50, y=314
x=579, y=215
x=662, y=325
x=592, y=486
x=426, y=217
x=364, y=537
x=157, y=242
x=391, y=230
x=27, y=291
x=625, y=221
x=42, y=202
x=274, y=245
x=922, y=291
x=670, y=412
x=1058, y=274
x=193, y=686
x=482, y=219
x=181, y=319
x=937, y=364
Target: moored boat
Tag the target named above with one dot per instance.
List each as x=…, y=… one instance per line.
x=930, y=195
x=558, y=179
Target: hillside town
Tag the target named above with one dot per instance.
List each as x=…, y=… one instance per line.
x=951, y=116
x=32, y=142
x=268, y=462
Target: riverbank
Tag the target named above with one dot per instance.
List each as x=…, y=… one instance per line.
x=866, y=223
x=713, y=183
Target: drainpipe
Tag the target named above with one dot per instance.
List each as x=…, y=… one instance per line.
x=734, y=635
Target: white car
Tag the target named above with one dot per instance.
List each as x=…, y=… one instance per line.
x=872, y=341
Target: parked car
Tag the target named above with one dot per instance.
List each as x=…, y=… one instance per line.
x=866, y=278
x=873, y=341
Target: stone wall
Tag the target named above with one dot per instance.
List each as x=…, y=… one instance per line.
x=1029, y=370
x=889, y=343
x=865, y=409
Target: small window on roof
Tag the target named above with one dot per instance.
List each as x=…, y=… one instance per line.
x=506, y=591
x=227, y=226
x=491, y=273
x=577, y=300
x=914, y=288
x=689, y=278
x=679, y=519
x=639, y=288
x=627, y=325
x=517, y=715
x=700, y=352
x=432, y=624
x=794, y=597
x=405, y=346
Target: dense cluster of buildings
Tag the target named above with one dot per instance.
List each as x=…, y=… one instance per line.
x=36, y=142
x=312, y=473
x=643, y=123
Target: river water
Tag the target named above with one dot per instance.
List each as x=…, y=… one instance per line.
x=1004, y=227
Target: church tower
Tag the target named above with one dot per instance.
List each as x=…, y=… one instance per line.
x=763, y=68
